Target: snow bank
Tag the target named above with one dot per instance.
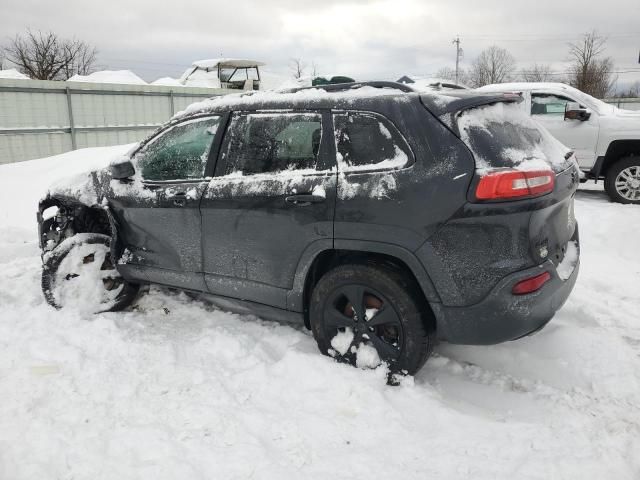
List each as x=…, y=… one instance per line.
x=40, y=174
x=110, y=76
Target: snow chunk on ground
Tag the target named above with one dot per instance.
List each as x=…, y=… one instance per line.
x=342, y=340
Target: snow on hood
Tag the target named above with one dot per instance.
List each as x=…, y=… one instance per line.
x=110, y=76
x=81, y=164
x=13, y=74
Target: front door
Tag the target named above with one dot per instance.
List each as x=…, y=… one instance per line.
x=158, y=212
x=272, y=197
x=581, y=137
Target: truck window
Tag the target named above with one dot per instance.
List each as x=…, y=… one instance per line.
x=547, y=104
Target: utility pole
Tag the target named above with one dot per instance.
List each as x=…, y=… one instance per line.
x=458, y=55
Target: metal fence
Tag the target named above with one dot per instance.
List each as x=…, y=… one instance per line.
x=625, y=103
x=42, y=118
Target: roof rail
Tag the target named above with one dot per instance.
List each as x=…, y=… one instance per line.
x=339, y=87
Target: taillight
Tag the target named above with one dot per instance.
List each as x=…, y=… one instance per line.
x=531, y=285
x=511, y=184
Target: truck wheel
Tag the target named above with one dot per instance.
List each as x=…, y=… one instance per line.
x=81, y=274
x=365, y=315
x=622, y=182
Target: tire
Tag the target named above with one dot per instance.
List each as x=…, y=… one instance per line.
x=80, y=274
x=622, y=182
x=396, y=321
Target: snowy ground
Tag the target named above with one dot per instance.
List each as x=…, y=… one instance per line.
x=176, y=389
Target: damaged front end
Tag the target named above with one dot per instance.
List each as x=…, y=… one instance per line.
x=79, y=207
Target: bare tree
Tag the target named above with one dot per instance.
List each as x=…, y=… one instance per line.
x=298, y=67
x=45, y=56
x=537, y=73
x=493, y=65
x=448, y=73
x=632, y=91
x=590, y=71
x=314, y=69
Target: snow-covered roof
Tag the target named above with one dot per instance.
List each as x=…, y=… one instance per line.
x=13, y=74
x=168, y=81
x=227, y=62
x=524, y=86
x=110, y=76
x=261, y=98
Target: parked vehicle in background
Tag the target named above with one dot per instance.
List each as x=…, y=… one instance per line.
x=606, y=139
x=233, y=73
x=427, y=84
x=379, y=217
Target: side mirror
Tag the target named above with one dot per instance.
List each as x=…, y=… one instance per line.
x=122, y=171
x=574, y=111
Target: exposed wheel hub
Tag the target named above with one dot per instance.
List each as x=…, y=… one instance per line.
x=628, y=183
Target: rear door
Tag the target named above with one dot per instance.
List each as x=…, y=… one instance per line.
x=272, y=198
x=158, y=213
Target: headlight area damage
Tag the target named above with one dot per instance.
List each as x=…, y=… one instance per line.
x=79, y=206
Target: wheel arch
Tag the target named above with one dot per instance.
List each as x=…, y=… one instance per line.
x=617, y=150
x=319, y=259
x=72, y=217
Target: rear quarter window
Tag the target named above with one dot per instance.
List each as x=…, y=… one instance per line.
x=502, y=135
x=365, y=141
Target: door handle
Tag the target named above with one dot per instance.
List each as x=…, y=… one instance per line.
x=179, y=199
x=304, y=199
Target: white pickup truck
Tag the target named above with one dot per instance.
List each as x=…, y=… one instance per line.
x=605, y=139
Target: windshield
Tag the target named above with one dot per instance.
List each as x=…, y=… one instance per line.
x=502, y=135
x=588, y=101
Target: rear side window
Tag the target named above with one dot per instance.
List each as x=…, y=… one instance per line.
x=366, y=142
x=180, y=153
x=266, y=143
x=502, y=135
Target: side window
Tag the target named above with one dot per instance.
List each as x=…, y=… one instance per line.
x=179, y=153
x=272, y=142
x=365, y=142
x=546, y=104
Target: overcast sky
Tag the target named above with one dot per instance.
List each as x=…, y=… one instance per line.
x=364, y=39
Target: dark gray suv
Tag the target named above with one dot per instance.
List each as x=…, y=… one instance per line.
x=381, y=218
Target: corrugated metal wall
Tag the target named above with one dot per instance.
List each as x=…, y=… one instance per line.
x=42, y=118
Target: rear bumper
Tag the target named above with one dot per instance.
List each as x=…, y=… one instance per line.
x=502, y=316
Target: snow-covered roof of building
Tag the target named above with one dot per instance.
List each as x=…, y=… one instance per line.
x=227, y=62
x=110, y=76
x=13, y=74
x=168, y=81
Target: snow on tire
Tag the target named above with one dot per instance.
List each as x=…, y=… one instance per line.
x=80, y=274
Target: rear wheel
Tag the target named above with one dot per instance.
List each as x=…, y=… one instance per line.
x=81, y=274
x=366, y=315
x=622, y=181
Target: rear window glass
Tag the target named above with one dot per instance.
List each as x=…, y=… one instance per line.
x=502, y=135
